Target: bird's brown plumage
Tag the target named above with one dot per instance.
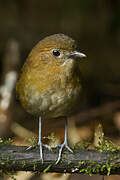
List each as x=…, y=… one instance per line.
x=51, y=86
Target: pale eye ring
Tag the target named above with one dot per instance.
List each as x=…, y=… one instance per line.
x=56, y=52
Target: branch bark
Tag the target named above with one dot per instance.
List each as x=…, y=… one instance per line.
x=17, y=158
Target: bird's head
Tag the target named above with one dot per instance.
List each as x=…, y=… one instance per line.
x=56, y=49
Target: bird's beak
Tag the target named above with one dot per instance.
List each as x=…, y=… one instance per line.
x=76, y=54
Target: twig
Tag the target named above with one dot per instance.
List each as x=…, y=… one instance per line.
x=16, y=158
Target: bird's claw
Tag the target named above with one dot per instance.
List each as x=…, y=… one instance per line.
x=41, y=153
x=62, y=146
x=40, y=145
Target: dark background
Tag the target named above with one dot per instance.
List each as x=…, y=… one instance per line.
x=94, y=24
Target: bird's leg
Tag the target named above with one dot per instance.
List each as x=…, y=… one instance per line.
x=39, y=140
x=65, y=143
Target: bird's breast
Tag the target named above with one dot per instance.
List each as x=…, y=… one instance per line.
x=52, y=94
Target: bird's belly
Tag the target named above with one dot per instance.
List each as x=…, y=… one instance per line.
x=54, y=103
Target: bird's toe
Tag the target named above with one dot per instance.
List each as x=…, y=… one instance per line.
x=61, y=147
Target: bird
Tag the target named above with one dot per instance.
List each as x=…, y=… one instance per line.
x=50, y=83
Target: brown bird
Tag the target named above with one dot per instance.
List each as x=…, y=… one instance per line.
x=50, y=84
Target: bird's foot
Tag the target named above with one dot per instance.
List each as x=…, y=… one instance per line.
x=41, y=150
x=40, y=145
x=62, y=146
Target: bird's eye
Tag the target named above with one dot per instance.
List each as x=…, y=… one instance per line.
x=56, y=52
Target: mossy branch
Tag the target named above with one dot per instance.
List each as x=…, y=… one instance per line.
x=16, y=158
